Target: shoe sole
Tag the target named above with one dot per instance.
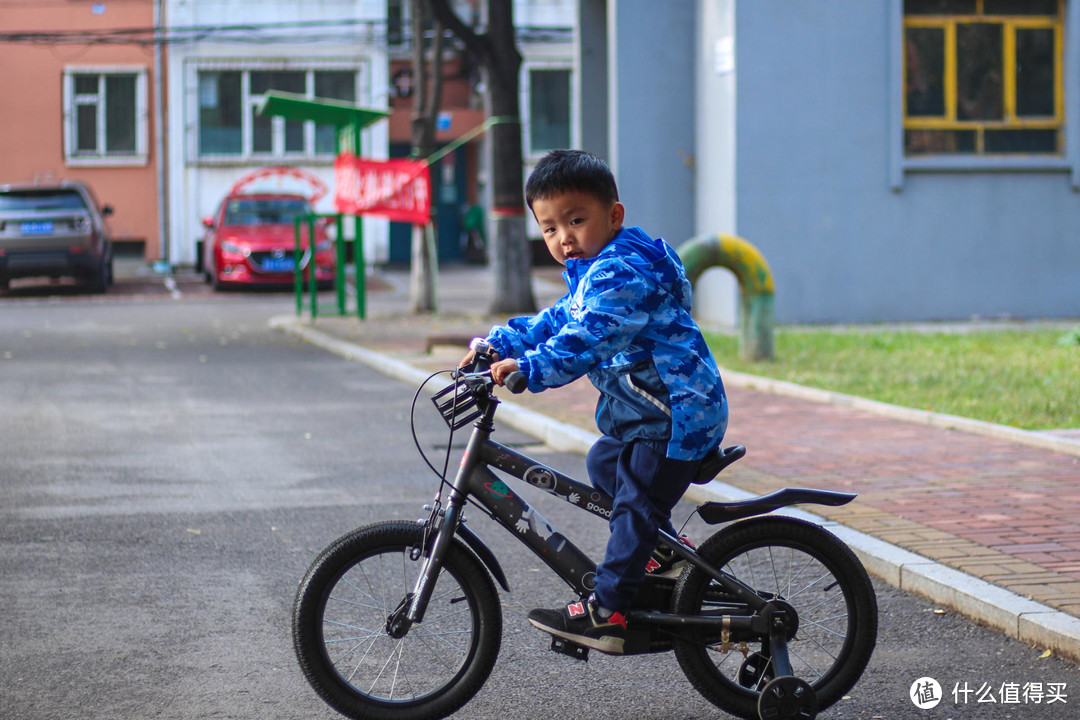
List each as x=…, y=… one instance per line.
x=594, y=643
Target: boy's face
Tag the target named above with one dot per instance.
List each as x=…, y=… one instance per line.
x=576, y=224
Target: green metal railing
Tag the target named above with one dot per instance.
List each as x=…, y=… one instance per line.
x=311, y=289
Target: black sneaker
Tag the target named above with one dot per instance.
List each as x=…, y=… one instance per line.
x=580, y=623
x=665, y=563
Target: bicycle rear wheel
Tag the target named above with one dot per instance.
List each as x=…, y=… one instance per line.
x=802, y=567
x=352, y=661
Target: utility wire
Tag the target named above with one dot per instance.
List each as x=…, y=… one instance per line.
x=248, y=32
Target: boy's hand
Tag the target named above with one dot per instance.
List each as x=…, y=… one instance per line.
x=501, y=369
x=467, y=360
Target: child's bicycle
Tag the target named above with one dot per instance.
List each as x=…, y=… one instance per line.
x=771, y=617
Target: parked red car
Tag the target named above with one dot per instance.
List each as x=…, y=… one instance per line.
x=251, y=238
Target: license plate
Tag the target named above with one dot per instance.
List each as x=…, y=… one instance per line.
x=278, y=265
x=44, y=227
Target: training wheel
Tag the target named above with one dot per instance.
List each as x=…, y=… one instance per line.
x=787, y=698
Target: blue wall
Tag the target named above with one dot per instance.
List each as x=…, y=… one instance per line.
x=651, y=75
x=814, y=137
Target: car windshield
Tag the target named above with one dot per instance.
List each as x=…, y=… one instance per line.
x=41, y=200
x=265, y=211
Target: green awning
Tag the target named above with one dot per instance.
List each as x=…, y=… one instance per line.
x=327, y=112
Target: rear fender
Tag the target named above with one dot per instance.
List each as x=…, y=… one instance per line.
x=720, y=512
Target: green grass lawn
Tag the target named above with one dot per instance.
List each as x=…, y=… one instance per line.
x=1024, y=378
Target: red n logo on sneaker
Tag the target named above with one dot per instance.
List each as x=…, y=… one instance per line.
x=652, y=565
x=575, y=609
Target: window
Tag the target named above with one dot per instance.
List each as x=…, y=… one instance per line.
x=230, y=126
x=983, y=77
x=105, y=116
x=265, y=211
x=547, y=103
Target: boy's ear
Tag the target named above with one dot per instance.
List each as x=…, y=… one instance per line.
x=618, y=213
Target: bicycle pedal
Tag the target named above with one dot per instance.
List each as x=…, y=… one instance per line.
x=565, y=647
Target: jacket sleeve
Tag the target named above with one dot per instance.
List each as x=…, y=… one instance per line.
x=615, y=307
x=524, y=333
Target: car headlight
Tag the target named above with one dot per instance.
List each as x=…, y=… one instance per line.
x=324, y=245
x=228, y=246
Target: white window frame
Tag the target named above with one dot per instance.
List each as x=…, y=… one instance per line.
x=141, y=154
x=527, y=69
x=361, y=68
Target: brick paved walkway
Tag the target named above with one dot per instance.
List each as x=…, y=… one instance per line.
x=998, y=510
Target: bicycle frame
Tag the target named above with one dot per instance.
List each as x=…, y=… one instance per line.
x=783, y=593
x=475, y=479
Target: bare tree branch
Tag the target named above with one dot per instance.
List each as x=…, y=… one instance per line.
x=477, y=44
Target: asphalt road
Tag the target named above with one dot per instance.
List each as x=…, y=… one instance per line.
x=170, y=467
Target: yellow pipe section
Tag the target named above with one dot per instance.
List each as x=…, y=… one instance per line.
x=756, y=287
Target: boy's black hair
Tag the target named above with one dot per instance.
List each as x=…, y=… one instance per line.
x=571, y=171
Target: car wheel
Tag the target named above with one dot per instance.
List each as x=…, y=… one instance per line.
x=101, y=278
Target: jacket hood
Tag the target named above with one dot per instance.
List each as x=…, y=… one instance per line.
x=650, y=256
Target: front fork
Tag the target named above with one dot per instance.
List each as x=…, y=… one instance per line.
x=442, y=525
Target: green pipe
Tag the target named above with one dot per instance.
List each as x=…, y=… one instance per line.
x=755, y=286
x=339, y=262
x=312, y=285
x=298, y=283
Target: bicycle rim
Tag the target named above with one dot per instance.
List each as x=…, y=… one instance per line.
x=404, y=670
x=357, y=666
x=807, y=569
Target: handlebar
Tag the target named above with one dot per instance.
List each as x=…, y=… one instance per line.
x=483, y=357
x=516, y=382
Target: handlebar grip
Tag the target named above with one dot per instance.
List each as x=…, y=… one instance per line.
x=516, y=382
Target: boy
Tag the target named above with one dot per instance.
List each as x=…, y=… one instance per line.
x=626, y=323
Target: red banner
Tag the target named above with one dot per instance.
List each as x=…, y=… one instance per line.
x=396, y=189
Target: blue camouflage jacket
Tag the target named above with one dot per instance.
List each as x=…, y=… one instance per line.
x=626, y=324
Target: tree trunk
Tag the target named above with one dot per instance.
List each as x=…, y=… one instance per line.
x=510, y=255
x=427, y=95
x=511, y=259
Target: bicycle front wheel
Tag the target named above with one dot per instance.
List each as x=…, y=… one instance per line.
x=356, y=665
x=800, y=567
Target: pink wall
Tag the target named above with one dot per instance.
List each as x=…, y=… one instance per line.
x=31, y=106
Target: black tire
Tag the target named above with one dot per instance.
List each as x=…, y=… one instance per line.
x=100, y=278
x=340, y=636
x=804, y=566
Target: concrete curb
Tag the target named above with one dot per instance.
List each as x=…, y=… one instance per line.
x=1018, y=617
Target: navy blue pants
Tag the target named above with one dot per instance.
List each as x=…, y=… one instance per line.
x=645, y=485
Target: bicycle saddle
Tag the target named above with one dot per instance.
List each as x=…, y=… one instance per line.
x=716, y=461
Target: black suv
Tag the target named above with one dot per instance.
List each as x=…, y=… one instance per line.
x=52, y=231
